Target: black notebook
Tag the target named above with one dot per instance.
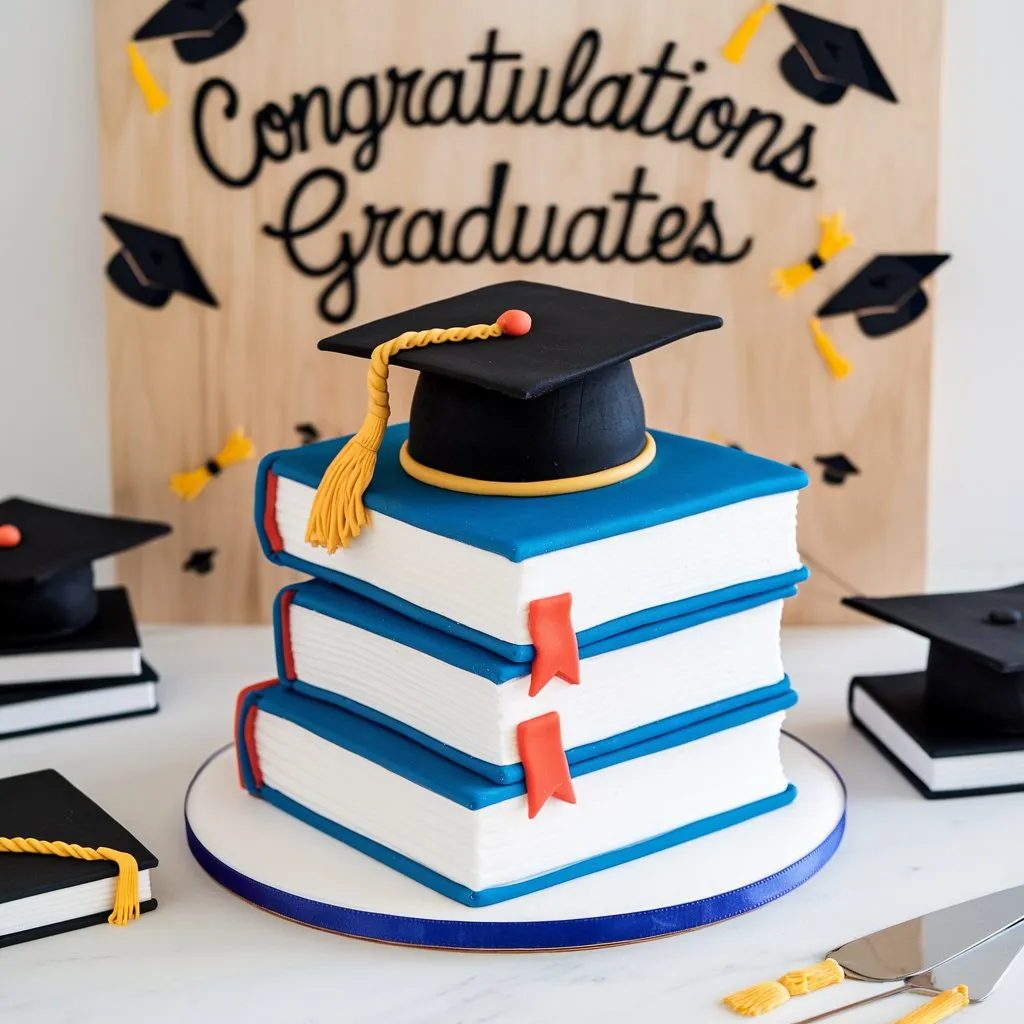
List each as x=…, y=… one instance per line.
x=39, y=706
x=941, y=759
x=108, y=647
x=41, y=894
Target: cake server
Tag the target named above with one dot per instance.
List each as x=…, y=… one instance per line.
x=972, y=975
x=912, y=947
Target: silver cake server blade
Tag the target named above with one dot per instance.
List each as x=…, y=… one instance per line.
x=923, y=943
x=980, y=968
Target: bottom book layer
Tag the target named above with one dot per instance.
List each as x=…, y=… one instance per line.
x=472, y=840
x=940, y=758
x=35, y=707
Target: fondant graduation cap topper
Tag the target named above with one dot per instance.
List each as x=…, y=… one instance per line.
x=825, y=60
x=151, y=266
x=540, y=400
x=46, y=580
x=975, y=673
x=886, y=292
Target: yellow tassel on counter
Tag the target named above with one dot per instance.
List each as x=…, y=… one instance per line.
x=735, y=49
x=189, y=486
x=942, y=1006
x=838, y=365
x=833, y=240
x=769, y=995
x=338, y=513
x=156, y=99
x=126, y=892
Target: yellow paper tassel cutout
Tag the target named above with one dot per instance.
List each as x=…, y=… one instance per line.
x=736, y=48
x=189, y=486
x=833, y=240
x=837, y=364
x=942, y=1006
x=769, y=995
x=156, y=99
x=126, y=892
x=338, y=513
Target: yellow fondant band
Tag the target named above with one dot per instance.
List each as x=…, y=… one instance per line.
x=527, y=488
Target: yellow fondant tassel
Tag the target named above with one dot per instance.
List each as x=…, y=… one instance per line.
x=838, y=366
x=942, y=1006
x=833, y=240
x=126, y=892
x=189, y=486
x=769, y=995
x=155, y=97
x=735, y=49
x=338, y=513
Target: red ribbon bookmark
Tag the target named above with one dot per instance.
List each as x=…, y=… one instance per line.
x=554, y=642
x=544, y=762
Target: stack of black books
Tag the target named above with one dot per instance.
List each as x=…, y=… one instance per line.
x=69, y=652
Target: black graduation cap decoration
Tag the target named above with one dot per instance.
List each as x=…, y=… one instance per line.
x=836, y=468
x=975, y=672
x=200, y=30
x=307, y=432
x=537, y=396
x=886, y=292
x=200, y=561
x=151, y=266
x=46, y=556
x=825, y=60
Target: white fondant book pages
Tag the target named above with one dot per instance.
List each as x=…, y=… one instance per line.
x=476, y=706
x=497, y=844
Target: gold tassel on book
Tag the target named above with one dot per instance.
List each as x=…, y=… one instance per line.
x=833, y=240
x=126, y=892
x=188, y=486
x=939, y=1008
x=735, y=49
x=769, y=995
x=156, y=99
x=338, y=513
x=838, y=365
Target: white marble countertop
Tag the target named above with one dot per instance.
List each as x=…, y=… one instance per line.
x=204, y=955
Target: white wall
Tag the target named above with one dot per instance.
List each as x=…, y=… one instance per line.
x=53, y=403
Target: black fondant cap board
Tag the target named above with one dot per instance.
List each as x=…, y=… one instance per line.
x=556, y=403
x=46, y=556
x=152, y=265
x=828, y=58
x=201, y=29
x=985, y=625
x=573, y=334
x=886, y=292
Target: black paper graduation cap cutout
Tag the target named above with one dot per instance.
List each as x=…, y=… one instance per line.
x=975, y=672
x=835, y=468
x=200, y=561
x=151, y=266
x=201, y=29
x=46, y=556
x=886, y=292
x=539, y=401
x=308, y=432
x=826, y=59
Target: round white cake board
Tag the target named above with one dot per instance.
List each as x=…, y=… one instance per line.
x=284, y=866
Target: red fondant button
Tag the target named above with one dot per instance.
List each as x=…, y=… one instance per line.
x=10, y=536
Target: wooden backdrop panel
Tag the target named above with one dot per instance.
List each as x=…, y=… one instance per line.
x=184, y=376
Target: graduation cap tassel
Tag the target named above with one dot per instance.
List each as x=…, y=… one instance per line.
x=838, y=365
x=338, y=513
x=189, y=486
x=156, y=99
x=735, y=49
x=126, y=892
x=832, y=242
x=769, y=995
x=944, y=1005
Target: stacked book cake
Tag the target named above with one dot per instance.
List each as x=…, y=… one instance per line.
x=544, y=640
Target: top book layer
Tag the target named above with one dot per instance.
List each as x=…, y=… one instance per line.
x=702, y=524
